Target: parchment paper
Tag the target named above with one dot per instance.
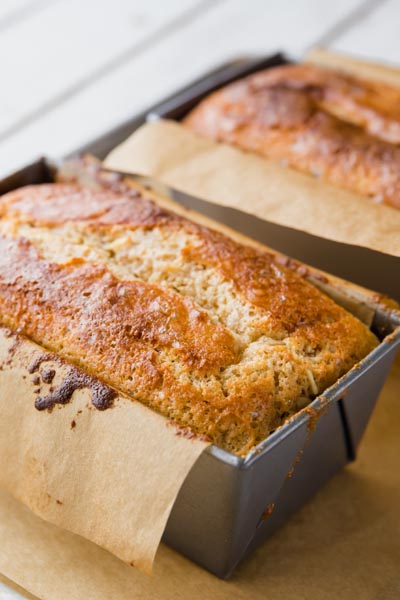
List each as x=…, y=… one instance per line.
x=353, y=66
x=111, y=476
x=225, y=175
x=344, y=544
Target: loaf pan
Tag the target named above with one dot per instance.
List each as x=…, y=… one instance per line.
x=229, y=505
x=371, y=269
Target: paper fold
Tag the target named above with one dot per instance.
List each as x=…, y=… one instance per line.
x=111, y=476
x=227, y=176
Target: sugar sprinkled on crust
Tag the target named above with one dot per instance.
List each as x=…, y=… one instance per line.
x=327, y=124
x=215, y=335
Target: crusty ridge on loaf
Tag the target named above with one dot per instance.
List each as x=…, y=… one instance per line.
x=327, y=124
x=215, y=335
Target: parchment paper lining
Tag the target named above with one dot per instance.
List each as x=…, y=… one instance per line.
x=110, y=475
x=227, y=176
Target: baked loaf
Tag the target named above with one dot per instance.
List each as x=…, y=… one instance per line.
x=327, y=124
x=218, y=337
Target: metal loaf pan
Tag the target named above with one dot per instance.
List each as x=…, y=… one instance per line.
x=368, y=268
x=229, y=505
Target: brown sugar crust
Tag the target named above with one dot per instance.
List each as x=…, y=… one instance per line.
x=327, y=124
x=215, y=335
x=374, y=106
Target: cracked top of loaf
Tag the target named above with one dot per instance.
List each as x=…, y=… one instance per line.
x=215, y=335
x=338, y=127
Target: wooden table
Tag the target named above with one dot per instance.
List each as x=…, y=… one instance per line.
x=72, y=69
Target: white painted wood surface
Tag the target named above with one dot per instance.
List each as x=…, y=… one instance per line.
x=72, y=69
x=377, y=36
x=6, y=593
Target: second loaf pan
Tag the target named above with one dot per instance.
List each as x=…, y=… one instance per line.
x=371, y=269
x=228, y=505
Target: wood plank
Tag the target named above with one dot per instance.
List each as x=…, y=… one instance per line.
x=64, y=45
x=376, y=37
x=13, y=12
x=10, y=8
x=224, y=31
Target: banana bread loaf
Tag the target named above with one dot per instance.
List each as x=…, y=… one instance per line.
x=217, y=336
x=327, y=124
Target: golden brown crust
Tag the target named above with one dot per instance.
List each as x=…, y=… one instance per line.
x=373, y=106
x=215, y=335
x=319, y=122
